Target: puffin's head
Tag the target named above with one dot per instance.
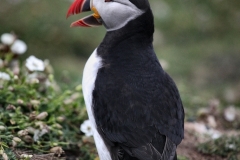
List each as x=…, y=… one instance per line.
x=114, y=14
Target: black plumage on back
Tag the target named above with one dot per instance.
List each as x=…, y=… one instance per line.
x=136, y=105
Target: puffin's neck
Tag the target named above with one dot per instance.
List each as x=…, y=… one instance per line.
x=139, y=30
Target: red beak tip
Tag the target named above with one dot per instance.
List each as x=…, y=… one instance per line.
x=72, y=25
x=69, y=14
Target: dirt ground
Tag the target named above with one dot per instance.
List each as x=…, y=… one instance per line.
x=188, y=149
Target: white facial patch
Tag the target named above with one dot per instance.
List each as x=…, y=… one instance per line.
x=116, y=14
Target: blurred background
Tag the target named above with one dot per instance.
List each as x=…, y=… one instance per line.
x=197, y=42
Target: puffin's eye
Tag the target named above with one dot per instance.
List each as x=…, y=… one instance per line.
x=108, y=0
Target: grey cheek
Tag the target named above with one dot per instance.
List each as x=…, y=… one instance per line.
x=115, y=15
x=120, y=22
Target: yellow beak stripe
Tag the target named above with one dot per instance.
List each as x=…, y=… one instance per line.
x=95, y=14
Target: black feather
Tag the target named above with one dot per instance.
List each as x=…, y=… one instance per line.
x=137, y=107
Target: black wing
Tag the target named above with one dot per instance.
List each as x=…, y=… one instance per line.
x=137, y=107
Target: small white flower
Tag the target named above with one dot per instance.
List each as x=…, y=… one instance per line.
x=231, y=146
x=7, y=38
x=4, y=76
x=86, y=127
x=43, y=129
x=214, y=134
x=19, y=47
x=39, y=133
x=35, y=64
x=230, y=113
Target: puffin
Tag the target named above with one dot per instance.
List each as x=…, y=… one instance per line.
x=133, y=104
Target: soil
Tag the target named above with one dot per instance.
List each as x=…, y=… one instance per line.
x=188, y=149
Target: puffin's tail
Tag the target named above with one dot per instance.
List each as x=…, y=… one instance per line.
x=149, y=152
x=118, y=153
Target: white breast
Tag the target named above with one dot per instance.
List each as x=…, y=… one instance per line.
x=89, y=76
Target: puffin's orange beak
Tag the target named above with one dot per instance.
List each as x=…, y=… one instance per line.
x=80, y=6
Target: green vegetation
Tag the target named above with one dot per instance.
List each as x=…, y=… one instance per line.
x=37, y=115
x=224, y=146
